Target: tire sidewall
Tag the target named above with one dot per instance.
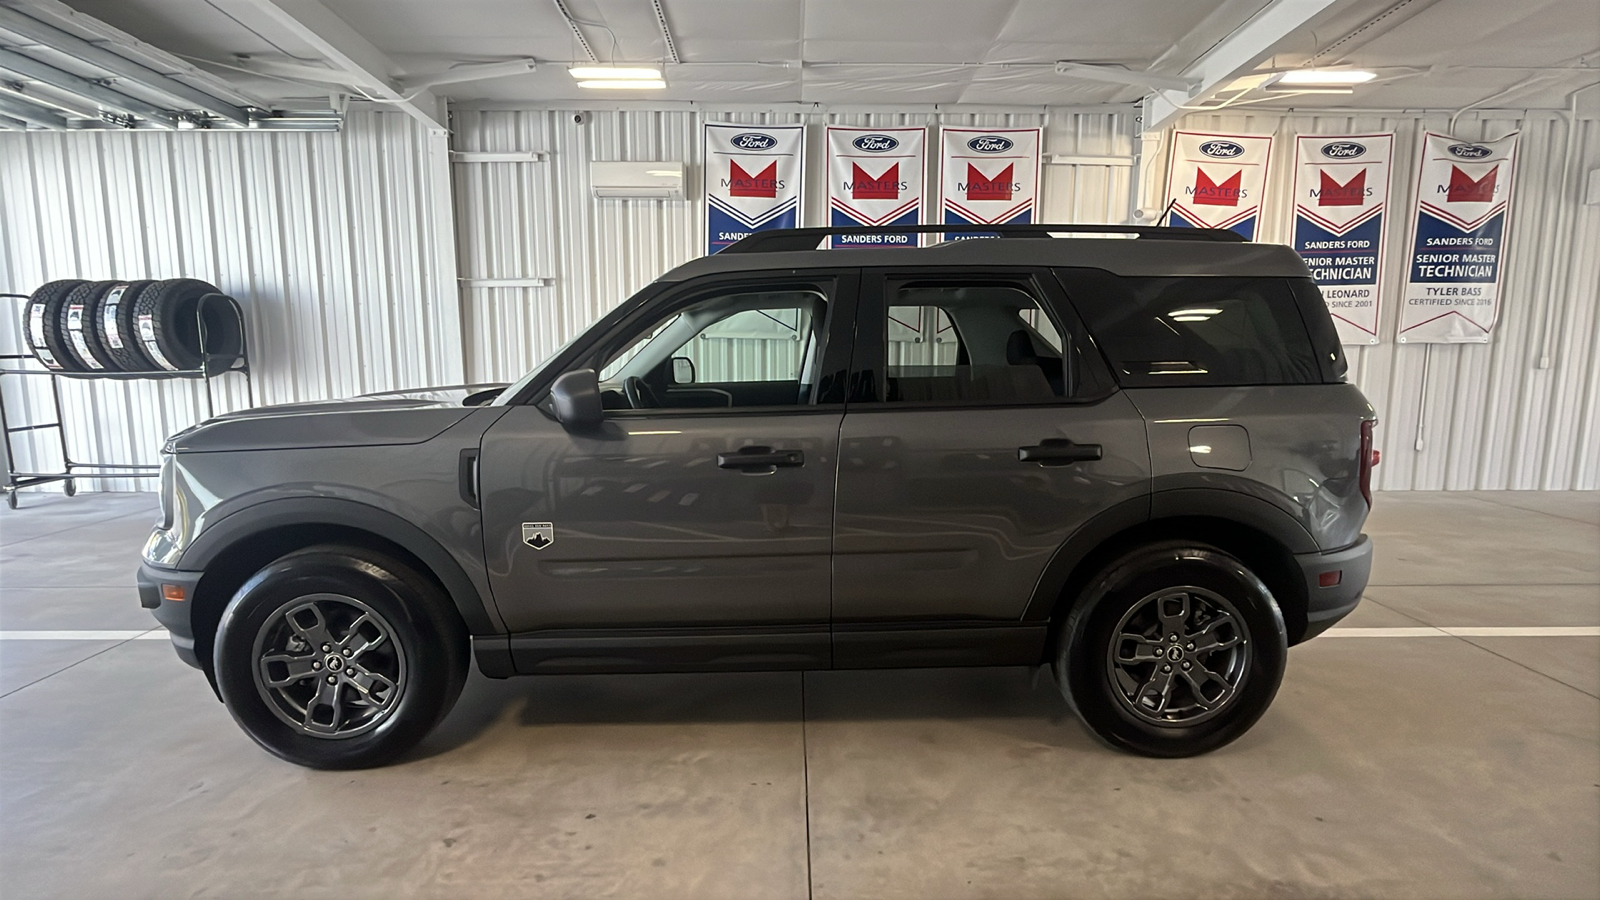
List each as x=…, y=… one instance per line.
x=435, y=664
x=1085, y=641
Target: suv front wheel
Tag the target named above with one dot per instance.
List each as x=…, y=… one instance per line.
x=339, y=657
x=1175, y=649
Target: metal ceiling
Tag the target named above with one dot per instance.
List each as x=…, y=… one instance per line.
x=63, y=71
x=1432, y=54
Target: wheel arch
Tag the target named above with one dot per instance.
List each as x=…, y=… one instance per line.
x=235, y=548
x=1258, y=533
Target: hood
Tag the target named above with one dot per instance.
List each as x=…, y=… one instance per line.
x=391, y=417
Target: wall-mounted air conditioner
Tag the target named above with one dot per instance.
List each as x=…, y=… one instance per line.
x=637, y=180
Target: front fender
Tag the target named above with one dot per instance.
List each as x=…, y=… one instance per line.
x=460, y=572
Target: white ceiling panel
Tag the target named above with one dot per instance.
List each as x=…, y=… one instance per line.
x=1441, y=54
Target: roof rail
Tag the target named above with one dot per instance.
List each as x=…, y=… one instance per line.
x=788, y=240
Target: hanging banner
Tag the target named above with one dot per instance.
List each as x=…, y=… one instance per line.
x=752, y=177
x=876, y=176
x=1341, y=190
x=1458, y=233
x=1216, y=181
x=988, y=177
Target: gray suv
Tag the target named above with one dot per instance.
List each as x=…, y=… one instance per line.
x=1127, y=452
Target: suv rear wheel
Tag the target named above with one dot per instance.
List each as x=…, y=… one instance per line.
x=339, y=657
x=1175, y=649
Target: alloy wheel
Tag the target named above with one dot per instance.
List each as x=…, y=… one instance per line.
x=1178, y=656
x=329, y=666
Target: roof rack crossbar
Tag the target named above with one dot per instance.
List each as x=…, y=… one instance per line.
x=782, y=240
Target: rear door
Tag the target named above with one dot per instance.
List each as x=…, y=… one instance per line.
x=982, y=430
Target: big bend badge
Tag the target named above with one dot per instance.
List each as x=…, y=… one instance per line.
x=538, y=535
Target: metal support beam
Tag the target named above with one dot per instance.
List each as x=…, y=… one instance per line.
x=72, y=45
x=28, y=67
x=1116, y=75
x=16, y=108
x=1233, y=56
x=370, y=69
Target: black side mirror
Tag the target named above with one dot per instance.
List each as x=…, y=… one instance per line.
x=576, y=399
x=682, y=370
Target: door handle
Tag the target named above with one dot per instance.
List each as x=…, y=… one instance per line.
x=1059, y=452
x=760, y=458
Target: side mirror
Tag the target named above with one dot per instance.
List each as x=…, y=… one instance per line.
x=682, y=370
x=576, y=398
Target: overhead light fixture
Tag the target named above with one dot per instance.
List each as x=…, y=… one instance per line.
x=614, y=73
x=619, y=84
x=1326, y=77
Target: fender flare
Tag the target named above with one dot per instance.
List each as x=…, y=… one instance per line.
x=289, y=511
x=1233, y=506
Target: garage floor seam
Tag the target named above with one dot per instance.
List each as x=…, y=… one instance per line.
x=1481, y=647
x=1542, y=512
x=105, y=521
x=805, y=776
x=66, y=667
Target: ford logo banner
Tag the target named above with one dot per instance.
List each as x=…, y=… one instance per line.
x=1221, y=149
x=751, y=140
x=875, y=143
x=990, y=143
x=1343, y=150
x=1467, y=151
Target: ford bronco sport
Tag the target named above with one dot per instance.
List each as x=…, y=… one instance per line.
x=1131, y=455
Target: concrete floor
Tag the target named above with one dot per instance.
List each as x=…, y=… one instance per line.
x=1388, y=767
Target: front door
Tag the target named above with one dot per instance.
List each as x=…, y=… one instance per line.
x=982, y=431
x=701, y=515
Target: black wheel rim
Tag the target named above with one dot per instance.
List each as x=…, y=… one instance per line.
x=1178, y=657
x=329, y=666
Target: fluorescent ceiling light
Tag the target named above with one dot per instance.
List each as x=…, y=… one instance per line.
x=583, y=73
x=622, y=85
x=1331, y=77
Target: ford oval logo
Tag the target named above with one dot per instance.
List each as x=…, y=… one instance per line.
x=875, y=143
x=990, y=143
x=1343, y=150
x=1221, y=149
x=751, y=140
x=1467, y=151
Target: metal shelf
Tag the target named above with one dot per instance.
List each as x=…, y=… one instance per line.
x=212, y=365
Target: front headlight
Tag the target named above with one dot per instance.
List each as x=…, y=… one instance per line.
x=165, y=490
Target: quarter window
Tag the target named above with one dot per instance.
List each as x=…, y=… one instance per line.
x=1166, y=332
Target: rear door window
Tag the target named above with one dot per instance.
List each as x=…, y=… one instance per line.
x=1195, y=331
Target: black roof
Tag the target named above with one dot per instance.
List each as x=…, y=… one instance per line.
x=1123, y=250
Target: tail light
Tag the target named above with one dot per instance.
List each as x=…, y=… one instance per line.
x=1369, y=458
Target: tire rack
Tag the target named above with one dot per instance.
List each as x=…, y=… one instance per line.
x=211, y=366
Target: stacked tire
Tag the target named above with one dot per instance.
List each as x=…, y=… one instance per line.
x=138, y=327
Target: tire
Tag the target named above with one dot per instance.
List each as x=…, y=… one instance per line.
x=167, y=325
x=115, y=330
x=80, y=314
x=42, y=325
x=399, y=624
x=1114, y=651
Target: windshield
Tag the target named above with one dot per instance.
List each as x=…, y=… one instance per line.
x=604, y=322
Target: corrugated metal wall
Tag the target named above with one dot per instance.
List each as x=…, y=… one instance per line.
x=1519, y=412
x=339, y=246
x=537, y=220
x=336, y=244
x=1493, y=416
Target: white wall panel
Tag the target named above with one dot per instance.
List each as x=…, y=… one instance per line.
x=537, y=220
x=1519, y=412
x=337, y=245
